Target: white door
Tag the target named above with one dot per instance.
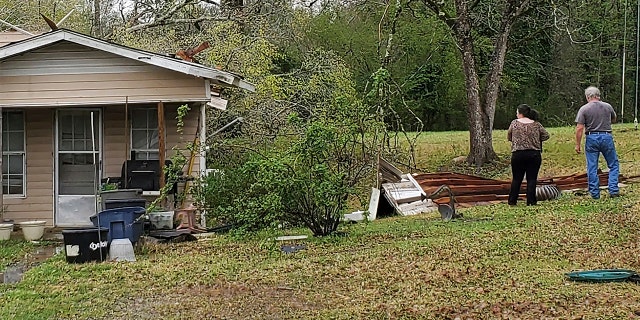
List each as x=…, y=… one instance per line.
x=77, y=165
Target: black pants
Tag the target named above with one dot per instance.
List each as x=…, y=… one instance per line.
x=525, y=161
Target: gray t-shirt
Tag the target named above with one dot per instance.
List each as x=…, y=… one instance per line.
x=596, y=116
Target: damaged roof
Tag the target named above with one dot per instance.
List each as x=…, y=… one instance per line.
x=8, y=37
x=218, y=77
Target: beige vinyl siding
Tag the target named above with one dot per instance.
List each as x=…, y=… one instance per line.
x=115, y=141
x=38, y=202
x=115, y=148
x=67, y=74
x=187, y=136
x=11, y=36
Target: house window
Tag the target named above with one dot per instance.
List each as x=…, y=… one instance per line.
x=144, y=134
x=13, y=155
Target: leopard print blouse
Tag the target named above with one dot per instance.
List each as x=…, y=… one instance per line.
x=526, y=136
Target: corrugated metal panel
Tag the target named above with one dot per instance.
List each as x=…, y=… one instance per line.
x=70, y=74
x=38, y=203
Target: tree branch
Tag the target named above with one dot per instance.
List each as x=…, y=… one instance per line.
x=510, y=14
x=166, y=18
x=438, y=9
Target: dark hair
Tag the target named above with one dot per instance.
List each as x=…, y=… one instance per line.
x=528, y=112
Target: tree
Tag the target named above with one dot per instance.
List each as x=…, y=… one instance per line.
x=589, y=46
x=305, y=169
x=304, y=145
x=481, y=100
x=97, y=21
x=26, y=14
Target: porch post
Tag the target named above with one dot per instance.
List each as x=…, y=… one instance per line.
x=161, y=141
x=203, y=153
x=1, y=171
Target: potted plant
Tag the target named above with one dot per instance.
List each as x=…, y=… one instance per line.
x=6, y=226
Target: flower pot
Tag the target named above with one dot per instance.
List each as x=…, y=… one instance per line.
x=32, y=230
x=161, y=220
x=5, y=231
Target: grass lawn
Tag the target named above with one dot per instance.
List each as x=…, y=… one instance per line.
x=12, y=250
x=436, y=150
x=500, y=262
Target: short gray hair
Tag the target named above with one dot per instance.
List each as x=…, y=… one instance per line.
x=592, y=92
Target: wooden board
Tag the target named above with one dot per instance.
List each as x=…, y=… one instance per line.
x=374, y=201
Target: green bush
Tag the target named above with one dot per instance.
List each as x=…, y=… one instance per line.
x=304, y=184
x=307, y=184
x=236, y=196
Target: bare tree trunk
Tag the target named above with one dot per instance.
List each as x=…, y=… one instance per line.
x=481, y=106
x=512, y=11
x=480, y=120
x=235, y=10
x=495, y=73
x=97, y=24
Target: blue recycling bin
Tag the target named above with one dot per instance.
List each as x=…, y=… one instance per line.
x=122, y=222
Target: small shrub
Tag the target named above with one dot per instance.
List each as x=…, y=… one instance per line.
x=238, y=198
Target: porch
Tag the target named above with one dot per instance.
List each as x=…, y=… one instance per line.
x=56, y=158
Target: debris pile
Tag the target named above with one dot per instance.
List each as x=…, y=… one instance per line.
x=411, y=194
x=472, y=190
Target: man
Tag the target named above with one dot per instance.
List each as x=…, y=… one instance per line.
x=594, y=119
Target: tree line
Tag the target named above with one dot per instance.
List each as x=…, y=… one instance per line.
x=420, y=64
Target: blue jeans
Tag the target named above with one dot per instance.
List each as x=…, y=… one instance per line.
x=594, y=145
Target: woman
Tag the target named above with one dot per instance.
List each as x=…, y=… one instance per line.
x=526, y=135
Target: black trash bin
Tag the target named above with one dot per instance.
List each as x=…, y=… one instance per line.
x=119, y=194
x=124, y=203
x=85, y=245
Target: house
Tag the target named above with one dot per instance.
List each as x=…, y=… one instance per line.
x=68, y=98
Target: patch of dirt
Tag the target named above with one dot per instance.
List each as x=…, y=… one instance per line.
x=40, y=254
x=13, y=273
x=221, y=301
